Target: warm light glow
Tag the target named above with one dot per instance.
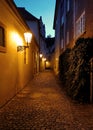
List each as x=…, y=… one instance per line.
x=47, y=64
x=28, y=37
x=17, y=38
x=41, y=55
x=44, y=59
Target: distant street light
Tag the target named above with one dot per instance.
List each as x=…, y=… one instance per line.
x=44, y=59
x=41, y=55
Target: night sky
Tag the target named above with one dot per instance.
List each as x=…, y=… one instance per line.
x=44, y=8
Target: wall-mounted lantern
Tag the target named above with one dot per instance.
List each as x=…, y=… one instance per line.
x=28, y=38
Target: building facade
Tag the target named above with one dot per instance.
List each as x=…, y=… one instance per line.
x=50, y=47
x=38, y=29
x=72, y=19
x=16, y=61
x=42, y=45
x=34, y=26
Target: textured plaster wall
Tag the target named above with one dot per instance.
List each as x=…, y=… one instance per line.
x=14, y=73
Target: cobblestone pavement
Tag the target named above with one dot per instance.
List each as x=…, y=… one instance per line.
x=42, y=105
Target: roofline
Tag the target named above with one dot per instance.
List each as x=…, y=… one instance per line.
x=28, y=13
x=13, y=6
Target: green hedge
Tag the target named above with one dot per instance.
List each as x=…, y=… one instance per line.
x=74, y=69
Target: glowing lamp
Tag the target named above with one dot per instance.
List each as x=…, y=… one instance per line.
x=41, y=55
x=28, y=38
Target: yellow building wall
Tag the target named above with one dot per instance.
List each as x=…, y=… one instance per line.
x=14, y=72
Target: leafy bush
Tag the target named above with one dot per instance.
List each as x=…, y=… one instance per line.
x=64, y=64
x=74, y=69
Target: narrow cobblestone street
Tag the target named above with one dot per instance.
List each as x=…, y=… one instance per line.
x=42, y=105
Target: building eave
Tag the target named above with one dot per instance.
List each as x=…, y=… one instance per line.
x=26, y=15
x=14, y=9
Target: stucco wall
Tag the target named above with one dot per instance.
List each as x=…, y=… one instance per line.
x=14, y=72
x=57, y=42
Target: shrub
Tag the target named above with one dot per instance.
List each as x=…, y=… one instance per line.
x=74, y=69
x=64, y=64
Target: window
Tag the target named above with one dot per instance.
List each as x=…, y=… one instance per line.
x=62, y=43
x=80, y=25
x=67, y=38
x=2, y=36
x=68, y=5
x=83, y=22
x=2, y=39
x=62, y=20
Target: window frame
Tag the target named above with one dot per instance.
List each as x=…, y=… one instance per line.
x=2, y=45
x=67, y=37
x=80, y=25
x=62, y=20
x=62, y=43
x=68, y=5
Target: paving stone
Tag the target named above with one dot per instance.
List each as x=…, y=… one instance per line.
x=43, y=105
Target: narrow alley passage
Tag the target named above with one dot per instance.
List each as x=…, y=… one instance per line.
x=42, y=105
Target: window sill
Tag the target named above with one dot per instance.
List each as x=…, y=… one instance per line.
x=3, y=49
